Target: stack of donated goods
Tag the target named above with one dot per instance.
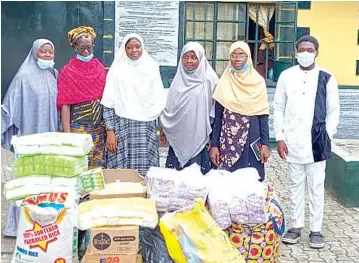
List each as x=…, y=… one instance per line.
x=234, y=210
x=45, y=168
x=189, y=232
x=167, y=217
x=113, y=215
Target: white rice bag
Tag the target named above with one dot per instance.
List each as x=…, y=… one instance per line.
x=46, y=230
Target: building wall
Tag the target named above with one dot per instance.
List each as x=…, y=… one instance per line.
x=335, y=25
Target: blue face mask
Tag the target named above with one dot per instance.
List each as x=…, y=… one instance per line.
x=244, y=68
x=84, y=59
x=45, y=64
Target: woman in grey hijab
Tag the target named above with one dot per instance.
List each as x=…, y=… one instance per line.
x=189, y=113
x=29, y=106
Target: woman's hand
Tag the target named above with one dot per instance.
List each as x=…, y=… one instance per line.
x=264, y=153
x=214, y=154
x=163, y=139
x=111, y=141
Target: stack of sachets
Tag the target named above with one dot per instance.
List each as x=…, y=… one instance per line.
x=47, y=162
x=91, y=180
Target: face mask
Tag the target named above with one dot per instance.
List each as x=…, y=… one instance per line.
x=244, y=68
x=189, y=71
x=84, y=59
x=306, y=59
x=45, y=64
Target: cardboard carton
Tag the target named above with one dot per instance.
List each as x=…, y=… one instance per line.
x=117, y=182
x=114, y=240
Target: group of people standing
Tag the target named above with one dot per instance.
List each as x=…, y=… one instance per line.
x=214, y=122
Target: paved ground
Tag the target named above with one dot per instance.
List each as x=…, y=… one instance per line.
x=341, y=228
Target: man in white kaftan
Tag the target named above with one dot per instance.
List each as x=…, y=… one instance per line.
x=306, y=116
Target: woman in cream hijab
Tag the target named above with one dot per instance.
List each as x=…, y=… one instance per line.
x=240, y=134
x=133, y=98
x=189, y=113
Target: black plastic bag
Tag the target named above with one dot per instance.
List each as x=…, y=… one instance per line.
x=153, y=247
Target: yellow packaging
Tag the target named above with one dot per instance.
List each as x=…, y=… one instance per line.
x=192, y=235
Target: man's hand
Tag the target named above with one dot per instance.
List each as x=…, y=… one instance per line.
x=282, y=150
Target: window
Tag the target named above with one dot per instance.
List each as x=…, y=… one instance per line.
x=269, y=29
x=357, y=70
x=302, y=31
x=304, y=4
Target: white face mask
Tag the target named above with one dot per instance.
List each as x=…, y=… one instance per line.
x=306, y=59
x=45, y=64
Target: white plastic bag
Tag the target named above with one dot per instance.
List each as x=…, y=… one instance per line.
x=59, y=143
x=236, y=197
x=173, y=190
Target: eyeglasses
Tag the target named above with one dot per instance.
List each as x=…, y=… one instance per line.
x=238, y=57
x=83, y=48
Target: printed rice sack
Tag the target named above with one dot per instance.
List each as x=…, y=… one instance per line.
x=46, y=230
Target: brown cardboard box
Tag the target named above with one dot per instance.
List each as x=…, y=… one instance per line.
x=114, y=240
x=124, y=176
x=109, y=258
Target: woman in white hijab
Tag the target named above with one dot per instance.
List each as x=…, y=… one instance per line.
x=133, y=98
x=186, y=120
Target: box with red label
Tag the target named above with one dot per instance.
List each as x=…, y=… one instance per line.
x=109, y=258
x=114, y=240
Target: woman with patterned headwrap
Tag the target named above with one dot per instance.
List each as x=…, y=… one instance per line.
x=80, y=88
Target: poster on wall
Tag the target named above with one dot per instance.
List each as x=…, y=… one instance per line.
x=156, y=21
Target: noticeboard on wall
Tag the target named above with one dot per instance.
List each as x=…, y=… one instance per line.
x=159, y=24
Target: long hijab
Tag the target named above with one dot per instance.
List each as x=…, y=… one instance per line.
x=243, y=92
x=29, y=106
x=134, y=88
x=186, y=119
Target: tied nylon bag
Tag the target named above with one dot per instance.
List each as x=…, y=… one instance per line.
x=192, y=235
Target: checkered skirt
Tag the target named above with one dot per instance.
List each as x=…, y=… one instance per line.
x=138, y=145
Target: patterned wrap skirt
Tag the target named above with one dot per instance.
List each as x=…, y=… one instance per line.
x=97, y=156
x=260, y=243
